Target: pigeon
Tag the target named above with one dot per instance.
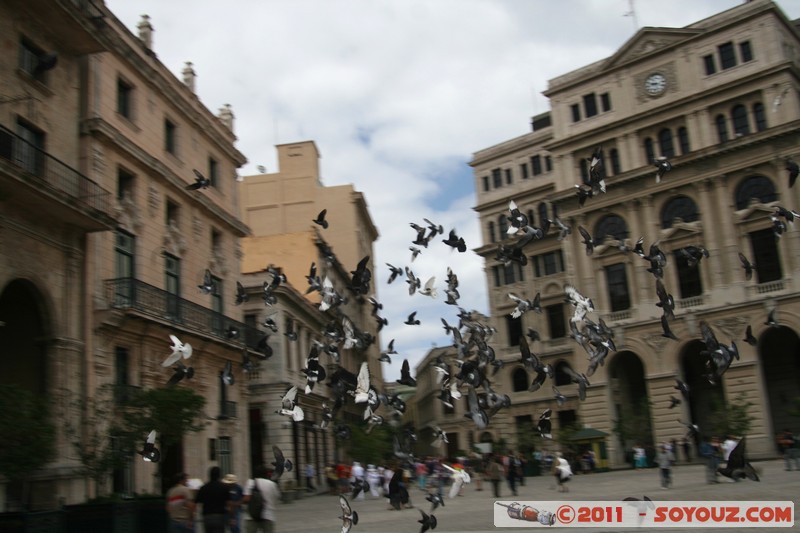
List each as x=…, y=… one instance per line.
x=663, y=167
x=320, y=220
x=314, y=371
x=435, y=499
x=544, y=427
x=247, y=364
x=582, y=304
x=440, y=436
x=264, y=349
x=460, y=477
x=241, y=294
x=384, y=355
x=771, y=322
x=289, y=406
x=372, y=421
x=349, y=517
x=362, y=384
x=793, y=169
x=477, y=414
x=280, y=463
x=525, y=305
x=747, y=266
x=778, y=226
x=665, y=327
x=361, y=276
x=748, y=336
x=405, y=375
x=682, y=387
x=200, y=181
x=596, y=176
x=226, y=375
x=414, y=252
x=583, y=194
x=587, y=240
x=530, y=360
x=563, y=229
x=673, y=401
x=737, y=466
x=693, y=255
x=452, y=288
x=533, y=335
x=359, y=486
x=342, y=432
x=580, y=379
x=787, y=214
x=429, y=289
x=180, y=372
x=427, y=521
x=692, y=430
x=179, y=350
x=393, y=273
x=560, y=398
x=413, y=282
x=665, y=301
x=411, y=320
x=208, y=286
x=454, y=241
x=150, y=453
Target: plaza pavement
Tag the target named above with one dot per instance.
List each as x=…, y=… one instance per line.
x=473, y=512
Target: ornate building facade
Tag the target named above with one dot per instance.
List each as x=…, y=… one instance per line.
x=719, y=100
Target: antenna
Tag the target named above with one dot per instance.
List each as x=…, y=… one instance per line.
x=632, y=13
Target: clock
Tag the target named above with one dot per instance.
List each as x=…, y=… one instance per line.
x=655, y=84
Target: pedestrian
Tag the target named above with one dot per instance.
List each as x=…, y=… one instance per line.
x=727, y=447
x=494, y=471
x=215, y=499
x=311, y=473
x=358, y=476
x=374, y=480
x=422, y=474
x=388, y=473
x=710, y=452
x=687, y=449
x=665, y=459
x=479, y=469
x=332, y=478
x=512, y=464
x=270, y=492
x=234, y=517
x=343, y=473
x=639, y=457
x=562, y=472
x=180, y=506
x=788, y=446
x=521, y=468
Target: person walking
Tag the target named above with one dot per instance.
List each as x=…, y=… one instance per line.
x=234, y=517
x=788, y=446
x=639, y=457
x=562, y=472
x=311, y=473
x=215, y=497
x=494, y=471
x=374, y=480
x=270, y=492
x=422, y=474
x=665, y=459
x=709, y=450
x=511, y=472
x=358, y=475
x=180, y=506
x=332, y=478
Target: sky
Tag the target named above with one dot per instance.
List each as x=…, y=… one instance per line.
x=397, y=95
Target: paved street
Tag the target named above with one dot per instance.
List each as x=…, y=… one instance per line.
x=474, y=511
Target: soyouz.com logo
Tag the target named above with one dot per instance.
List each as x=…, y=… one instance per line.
x=644, y=514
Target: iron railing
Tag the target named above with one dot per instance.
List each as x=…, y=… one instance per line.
x=130, y=293
x=227, y=410
x=43, y=170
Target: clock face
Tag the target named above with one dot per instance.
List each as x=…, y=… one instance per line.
x=655, y=84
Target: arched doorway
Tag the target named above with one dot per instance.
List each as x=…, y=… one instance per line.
x=779, y=353
x=628, y=388
x=23, y=334
x=704, y=398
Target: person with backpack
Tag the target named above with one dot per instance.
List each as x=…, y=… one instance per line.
x=260, y=498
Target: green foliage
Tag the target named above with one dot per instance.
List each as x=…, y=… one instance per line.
x=171, y=411
x=731, y=417
x=634, y=424
x=564, y=435
x=369, y=448
x=28, y=433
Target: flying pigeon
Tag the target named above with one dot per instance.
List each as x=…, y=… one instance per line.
x=405, y=375
x=737, y=466
x=179, y=350
x=440, y=436
x=226, y=375
x=280, y=463
x=320, y=220
x=580, y=379
x=563, y=229
x=394, y=272
x=665, y=301
x=241, y=294
x=663, y=167
x=454, y=241
x=208, y=285
x=412, y=320
x=748, y=336
x=693, y=255
x=429, y=289
x=289, y=406
x=427, y=521
x=560, y=398
x=544, y=427
x=372, y=421
x=682, y=387
x=477, y=414
x=587, y=240
x=361, y=393
x=665, y=327
x=435, y=499
x=200, y=181
x=150, y=453
x=384, y=355
x=771, y=322
x=673, y=401
x=349, y=517
x=414, y=252
x=747, y=266
x=359, y=486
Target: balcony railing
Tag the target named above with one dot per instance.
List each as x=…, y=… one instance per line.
x=769, y=286
x=130, y=293
x=227, y=410
x=43, y=170
x=692, y=301
x=619, y=315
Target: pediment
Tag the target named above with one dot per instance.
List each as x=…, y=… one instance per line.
x=755, y=211
x=681, y=230
x=610, y=247
x=648, y=40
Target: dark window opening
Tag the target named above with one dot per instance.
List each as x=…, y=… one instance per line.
x=708, y=61
x=213, y=172
x=722, y=128
x=617, y=281
x=727, y=57
x=561, y=377
x=486, y=183
x=492, y=234
x=610, y=225
x=124, y=185
x=576, y=112
x=555, y=321
x=679, y=207
x=605, y=102
x=548, y=163
x=514, y=329
x=169, y=136
x=765, y=252
x=590, y=105
x=519, y=380
x=745, y=51
x=758, y=187
x=523, y=169
x=683, y=140
x=536, y=165
x=665, y=143
x=508, y=176
x=613, y=155
x=649, y=151
x=760, y=116
x=30, y=57
x=497, y=178
x=741, y=125
x=689, y=281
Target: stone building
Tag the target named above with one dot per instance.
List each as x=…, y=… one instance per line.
x=280, y=207
x=103, y=247
x=719, y=99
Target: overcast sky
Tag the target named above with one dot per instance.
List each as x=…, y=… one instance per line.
x=397, y=95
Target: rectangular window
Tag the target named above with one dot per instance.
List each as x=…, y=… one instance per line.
x=551, y=263
x=708, y=62
x=213, y=172
x=745, y=51
x=30, y=57
x=124, y=185
x=514, y=329
x=496, y=270
x=173, y=214
x=590, y=105
x=218, y=322
x=537, y=271
x=567, y=418
x=617, y=281
x=688, y=278
x=212, y=449
x=497, y=178
x=548, y=163
x=485, y=183
x=125, y=252
x=172, y=274
x=508, y=272
x=124, y=98
x=605, y=102
x=523, y=169
x=727, y=57
x=169, y=136
x=555, y=321
x=765, y=252
x=576, y=112
x=30, y=153
x=121, y=381
x=508, y=176
x=536, y=165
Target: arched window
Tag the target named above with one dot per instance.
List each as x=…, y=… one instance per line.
x=519, y=379
x=681, y=207
x=561, y=377
x=503, y=227
x=610, y=225
x=760, y=116
x=613, y=156
x=665, y=143
x=542, y=212
x=492, y=235
x=758, y=187
x=649, y=152
x=683, y=140
x=741, y=126
x=722, y=128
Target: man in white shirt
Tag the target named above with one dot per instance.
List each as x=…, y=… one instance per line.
x=358, y=475
x=727, y=447
x=269, y=490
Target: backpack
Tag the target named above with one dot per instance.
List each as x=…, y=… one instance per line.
x=255, y=507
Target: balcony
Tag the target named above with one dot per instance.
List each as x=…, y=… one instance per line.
x=35, y=180
x=73, y=23
x=227, y=410
x=692, y=301
x=143, y=299
x=769, y=286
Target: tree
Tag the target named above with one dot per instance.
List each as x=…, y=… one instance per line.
x=634, y=425
x=28, y=434
x=370, y=448
x=731, y=417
